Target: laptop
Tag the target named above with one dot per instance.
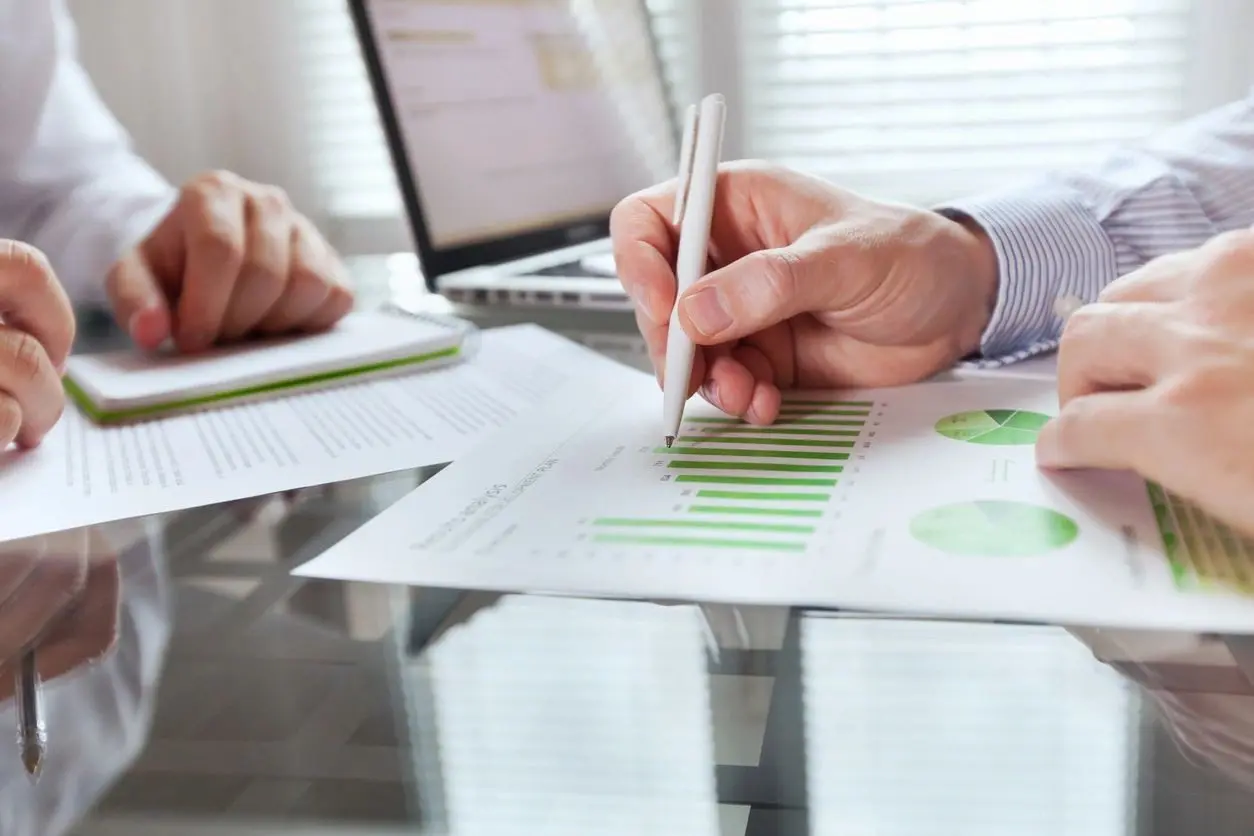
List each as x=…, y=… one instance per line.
x=515, y=126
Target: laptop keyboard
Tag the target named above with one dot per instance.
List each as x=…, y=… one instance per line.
x=571, y=268
x=1204, y=553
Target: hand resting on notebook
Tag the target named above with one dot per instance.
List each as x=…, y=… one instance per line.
x=35, y=338
x=232, y=259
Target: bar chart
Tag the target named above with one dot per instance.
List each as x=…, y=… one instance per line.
x=739, y=486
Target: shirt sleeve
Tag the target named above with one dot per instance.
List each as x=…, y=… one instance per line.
x=70, y=183
x=1063, y=237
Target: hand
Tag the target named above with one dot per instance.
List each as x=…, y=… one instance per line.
x=232, y=259
x=812, y=286
x=1158, y=377
x=36, y=332
x=59, y=594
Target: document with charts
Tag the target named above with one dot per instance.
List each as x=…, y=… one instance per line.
x=85, y=474
x=923, y=499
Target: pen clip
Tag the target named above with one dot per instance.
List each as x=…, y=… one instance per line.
x=687, y=148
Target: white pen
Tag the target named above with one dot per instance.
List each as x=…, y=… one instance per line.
x=694, y=207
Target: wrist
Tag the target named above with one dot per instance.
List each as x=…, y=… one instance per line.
x=981, y=274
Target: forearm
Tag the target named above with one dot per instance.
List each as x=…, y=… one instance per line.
x=85, y=225
x=69, y=182
x=1066, y=236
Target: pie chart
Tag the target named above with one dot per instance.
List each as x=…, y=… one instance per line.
x=998, y=427
x=994, y=528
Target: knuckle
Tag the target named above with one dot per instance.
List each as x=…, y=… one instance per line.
x=1233, y=250
x=272, y=200
x=26, y=355
x=217, y=238
x=779, y=275
x=214, y=180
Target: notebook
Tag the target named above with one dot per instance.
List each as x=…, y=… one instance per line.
x=130, y=385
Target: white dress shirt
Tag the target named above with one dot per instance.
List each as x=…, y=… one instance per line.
x=69, y=182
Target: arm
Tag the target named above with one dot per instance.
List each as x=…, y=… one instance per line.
x=1068, y=235
x=69, y=182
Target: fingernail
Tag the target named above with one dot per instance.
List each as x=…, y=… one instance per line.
x=710, y=392
x=705, y=311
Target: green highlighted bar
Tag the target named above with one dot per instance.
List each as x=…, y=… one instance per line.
x=756, y=480
x=752, y=454
x=763, y=496
x=780, y=442
x=718, y=543
x=769, y=467
x=864, y=404
x=809, y=410
x=779, y=431
x=751, y=511
x=819, y=422
x=631, y=522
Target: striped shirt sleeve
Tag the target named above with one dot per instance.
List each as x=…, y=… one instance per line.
x=1065, y=236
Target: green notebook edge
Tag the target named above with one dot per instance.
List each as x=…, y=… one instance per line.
x=103, y=416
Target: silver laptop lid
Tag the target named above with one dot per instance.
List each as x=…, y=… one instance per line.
x=515, y=126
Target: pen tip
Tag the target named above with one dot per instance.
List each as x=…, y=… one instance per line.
x=670, y=439
x=33, y=759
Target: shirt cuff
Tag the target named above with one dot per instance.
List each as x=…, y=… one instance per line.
x=1050, y=248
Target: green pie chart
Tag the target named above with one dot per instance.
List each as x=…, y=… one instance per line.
x=999, y=427
x=994, y=528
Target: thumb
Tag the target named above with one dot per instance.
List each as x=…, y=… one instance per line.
x=138, y=301
x=756, y=292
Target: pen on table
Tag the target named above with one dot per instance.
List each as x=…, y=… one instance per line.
x=32, y=736
x=694, y=207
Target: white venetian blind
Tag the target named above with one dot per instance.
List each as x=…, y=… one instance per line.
x=919, y=99
x=350, y=156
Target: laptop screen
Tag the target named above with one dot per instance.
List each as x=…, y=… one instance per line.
x=516, y=125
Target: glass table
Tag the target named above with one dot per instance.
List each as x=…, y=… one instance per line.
x=237, y=699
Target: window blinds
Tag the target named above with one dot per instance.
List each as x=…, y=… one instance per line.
x=908, y=99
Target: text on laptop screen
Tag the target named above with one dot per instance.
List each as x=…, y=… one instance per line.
x=519, y=115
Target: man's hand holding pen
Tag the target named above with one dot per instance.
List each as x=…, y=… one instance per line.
x=58, y=611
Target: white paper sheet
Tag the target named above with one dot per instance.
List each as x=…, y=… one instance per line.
x=84, y=474
x=923, y=499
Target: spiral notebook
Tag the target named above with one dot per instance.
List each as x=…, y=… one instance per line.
x=130, y=385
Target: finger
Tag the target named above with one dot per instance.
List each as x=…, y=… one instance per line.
x=1108, y=430
x=32, y=299
x=54, y=582
x=644, y=249
x=263, y=275
x=311, y=285
x=765, y=403
x=760, y=290
x=728, y=385
x=138, y=300
x=85, y=631
x=1112, y=346
x=31, y=386
x=212, y=218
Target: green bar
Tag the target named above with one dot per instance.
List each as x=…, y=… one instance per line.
x=810, y=410
x=819, y=422
x=645, y=540
x=774, y=442
x=762, y=496
x=749, y=510
x=769, y=467
x=751, y=454
x=755, y=480
x=778, y=431
x=631, y=522
x=791, y=402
